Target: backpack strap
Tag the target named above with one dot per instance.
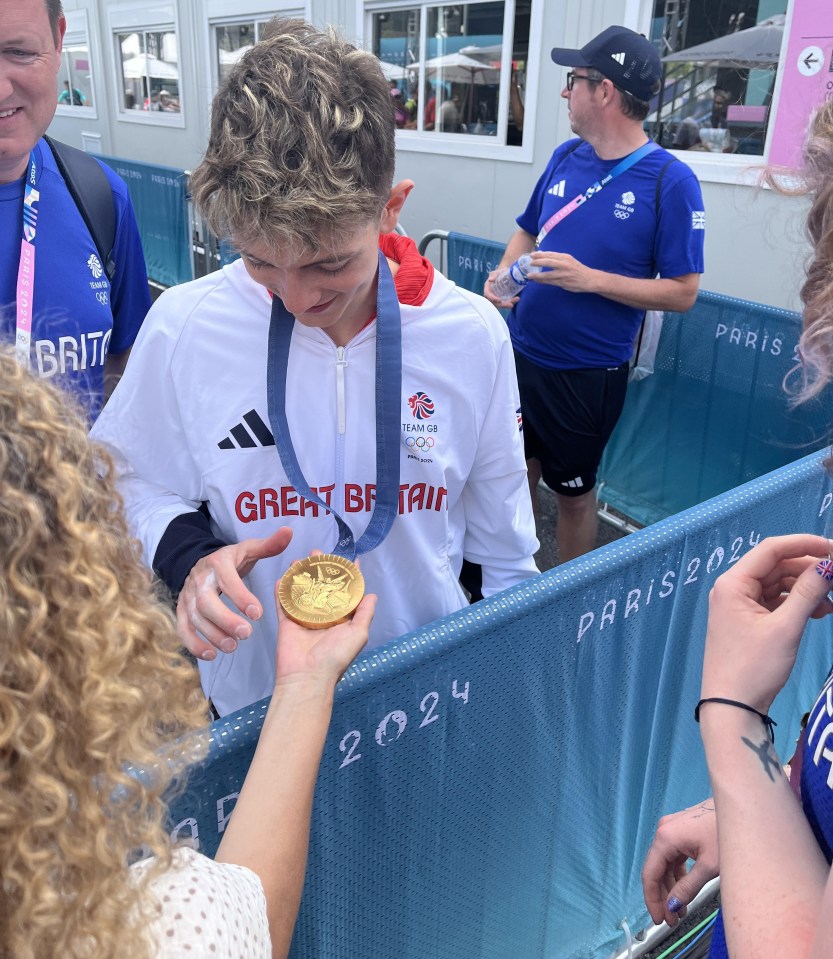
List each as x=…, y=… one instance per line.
x=90, y=190
x=659, y=180
x=658, y=191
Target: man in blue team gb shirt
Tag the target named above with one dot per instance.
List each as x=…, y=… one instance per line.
x=66, y=318
x=622, y=224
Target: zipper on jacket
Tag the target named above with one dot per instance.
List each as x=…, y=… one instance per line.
x=341, y=407
x=341, y=363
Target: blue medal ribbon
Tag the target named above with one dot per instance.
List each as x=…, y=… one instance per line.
x=388, y=403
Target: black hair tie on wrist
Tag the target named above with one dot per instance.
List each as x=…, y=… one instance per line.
x=768, y=721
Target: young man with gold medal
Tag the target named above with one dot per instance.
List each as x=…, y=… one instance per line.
x=389, y=393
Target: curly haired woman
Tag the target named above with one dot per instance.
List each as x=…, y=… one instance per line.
x=775, y=852
x=89, y=665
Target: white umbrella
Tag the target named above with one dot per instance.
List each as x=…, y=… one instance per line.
x=759, y=46
x=392, y=71
x=459, y=68
x=230, y=57
x=488, y=54
x=146, y=65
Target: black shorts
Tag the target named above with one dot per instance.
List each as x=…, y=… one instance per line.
x=568, y=416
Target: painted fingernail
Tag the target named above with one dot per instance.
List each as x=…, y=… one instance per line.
x=228, y=645
x=253, y=612
x=243, y=632
x=674, y=904
x=208, y=655
x=825, y=569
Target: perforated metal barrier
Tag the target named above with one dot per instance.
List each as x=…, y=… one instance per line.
x=490, y=783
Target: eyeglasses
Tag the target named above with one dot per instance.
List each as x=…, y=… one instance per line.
x=572, y=76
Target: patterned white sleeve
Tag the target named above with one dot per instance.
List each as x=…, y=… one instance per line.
x=208, y=909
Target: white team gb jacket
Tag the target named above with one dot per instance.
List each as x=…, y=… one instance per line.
x=188, y=424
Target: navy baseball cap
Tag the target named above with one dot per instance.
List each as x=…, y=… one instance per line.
x=628, y=59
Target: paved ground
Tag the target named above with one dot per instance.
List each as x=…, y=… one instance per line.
x=547, y=556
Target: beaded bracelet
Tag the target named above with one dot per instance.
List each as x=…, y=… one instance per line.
x=768, y=721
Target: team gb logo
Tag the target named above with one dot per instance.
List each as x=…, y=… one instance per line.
x=95, y=266
x=628, y=198
x=422, y=406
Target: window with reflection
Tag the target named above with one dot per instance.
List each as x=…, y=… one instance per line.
x=75, y=84
x=232, y=40
x=447, y=65
x=720, y=63
x=150, y=71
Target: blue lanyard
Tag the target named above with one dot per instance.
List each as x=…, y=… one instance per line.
x=388, y=403
x=623, y=165
x=30, y=200
x=595, y=188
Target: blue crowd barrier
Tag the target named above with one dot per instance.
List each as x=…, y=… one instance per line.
x=490, y=783
x=160, y=199
x=714, y=413
x=466, y=260
x=471, y=260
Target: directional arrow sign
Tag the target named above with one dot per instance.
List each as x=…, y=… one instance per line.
x=803, y=80
x=810, y=61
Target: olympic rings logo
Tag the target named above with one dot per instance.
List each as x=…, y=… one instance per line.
x=621, y=214
x=420, y=442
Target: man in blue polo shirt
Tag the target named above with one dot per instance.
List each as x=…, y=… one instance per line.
x=64, y=316
x=633, y=243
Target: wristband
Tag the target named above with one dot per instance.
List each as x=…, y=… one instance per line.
x=768, y=721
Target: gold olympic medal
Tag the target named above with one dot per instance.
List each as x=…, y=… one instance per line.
x=321, y=591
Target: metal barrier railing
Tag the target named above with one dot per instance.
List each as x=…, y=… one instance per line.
x=442, y=236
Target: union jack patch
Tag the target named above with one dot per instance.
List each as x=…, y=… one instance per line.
x=825, y=569
x=698, y=219
x=520, y=420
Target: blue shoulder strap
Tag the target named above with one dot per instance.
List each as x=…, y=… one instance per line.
x=90, y=190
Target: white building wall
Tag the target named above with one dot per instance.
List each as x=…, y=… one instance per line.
x=754, y=243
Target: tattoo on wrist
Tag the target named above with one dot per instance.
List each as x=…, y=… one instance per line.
x=766, y=754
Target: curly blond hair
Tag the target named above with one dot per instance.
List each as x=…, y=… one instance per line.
x=91, y=678
x=302, y=142
x=816, y=180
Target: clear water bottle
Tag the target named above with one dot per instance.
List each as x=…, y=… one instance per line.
x=511, y=281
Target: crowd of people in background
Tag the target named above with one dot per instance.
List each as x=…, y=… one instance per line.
x=300, y=178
